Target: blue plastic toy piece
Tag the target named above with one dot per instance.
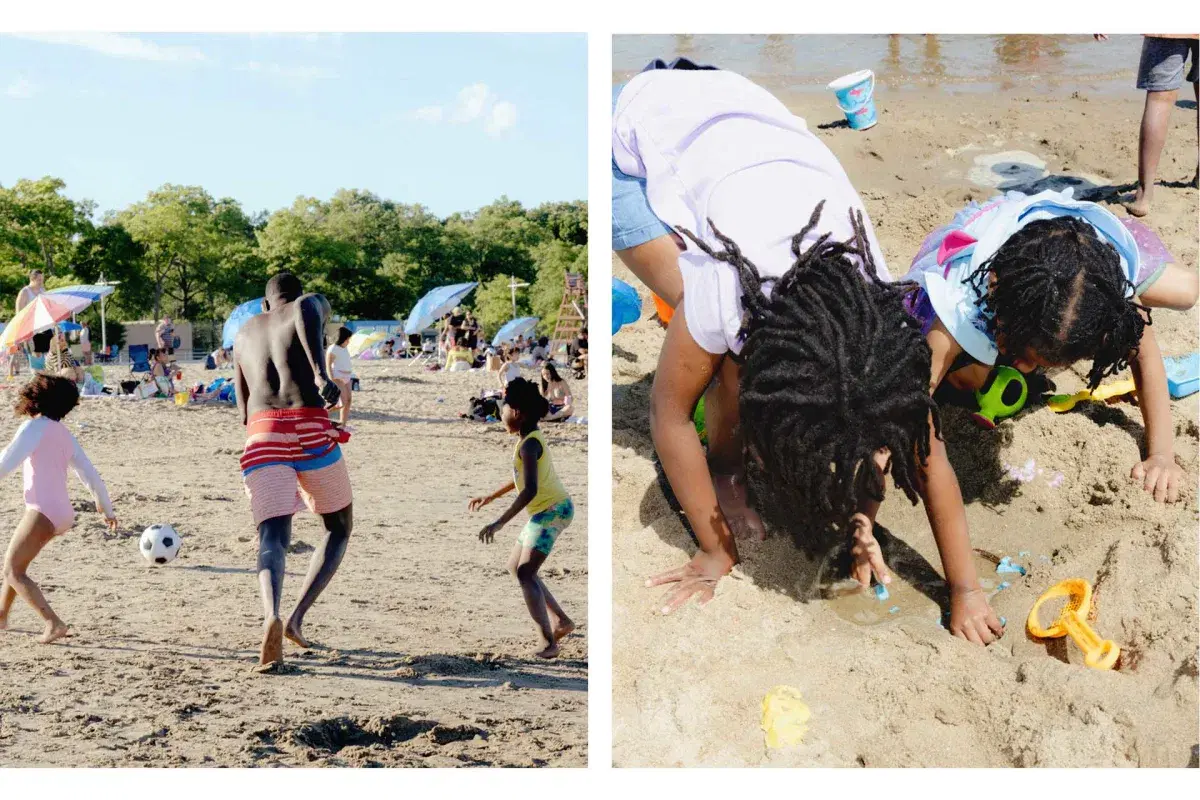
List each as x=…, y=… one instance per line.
x=1003, y=622
x=1006, y=565
x=626, y=305
x=893, y=609
x=1183, y=374
x=1022, y=554
x=881, y=592
x=1003, y=585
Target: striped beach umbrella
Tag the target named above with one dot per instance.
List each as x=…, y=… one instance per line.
x=43, y=313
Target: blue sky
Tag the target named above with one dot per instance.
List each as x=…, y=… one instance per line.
x=450, y=121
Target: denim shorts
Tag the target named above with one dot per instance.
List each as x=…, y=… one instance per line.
x=633, y=222
x=1161, y=66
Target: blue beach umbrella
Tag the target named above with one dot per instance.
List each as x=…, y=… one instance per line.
x=514, y=328
x=434, y=304
x=237, y=319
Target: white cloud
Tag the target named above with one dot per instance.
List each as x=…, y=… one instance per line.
x=20, y=89
x=429, y=113
x=287, y=73
x=476, y=103
x=502, y=117
x=118, y=45
x=472, y=102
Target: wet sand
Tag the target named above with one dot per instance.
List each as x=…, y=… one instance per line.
x=902, y=692
x=426, y=649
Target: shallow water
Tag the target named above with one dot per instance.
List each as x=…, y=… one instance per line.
x=960, y=63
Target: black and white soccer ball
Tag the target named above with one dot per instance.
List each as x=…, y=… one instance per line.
x=160, y=544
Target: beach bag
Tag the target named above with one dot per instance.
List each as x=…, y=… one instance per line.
x=210, y=362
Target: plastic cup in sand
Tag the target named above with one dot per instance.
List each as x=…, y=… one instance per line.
x=181, y=398
x=856, y=97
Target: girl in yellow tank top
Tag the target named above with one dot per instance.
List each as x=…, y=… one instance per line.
x=550, y=508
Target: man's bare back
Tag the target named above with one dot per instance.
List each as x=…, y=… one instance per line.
x=278, y=356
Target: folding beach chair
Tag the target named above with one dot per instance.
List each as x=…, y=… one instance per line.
x=429, y=347
x=139, y=358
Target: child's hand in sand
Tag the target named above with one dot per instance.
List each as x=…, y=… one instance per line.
x=698, y=578
x=1161, y=476
x=488, y=534
x=743, y=520
x=972, y=618
x=868, y=556
x=478, y=503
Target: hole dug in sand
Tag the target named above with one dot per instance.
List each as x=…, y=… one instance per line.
x=329, y=736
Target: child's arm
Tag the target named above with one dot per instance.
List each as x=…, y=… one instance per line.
x=531, y=451
x=684, y=371
x=23, y=443
x=87, y=473
x=1158, y=472
x=1176, y=288
x=479, y=502
x=971, y=617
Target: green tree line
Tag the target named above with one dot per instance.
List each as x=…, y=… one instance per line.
x=184, y=253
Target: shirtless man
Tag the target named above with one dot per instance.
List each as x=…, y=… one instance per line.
x=292, y=458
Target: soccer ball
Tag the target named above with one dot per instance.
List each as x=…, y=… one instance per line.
x=160, y=544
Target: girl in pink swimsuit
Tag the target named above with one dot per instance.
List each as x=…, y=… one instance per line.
x=46, y=448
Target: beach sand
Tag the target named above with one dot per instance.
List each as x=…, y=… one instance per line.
x=688, y=687
x=427, y=656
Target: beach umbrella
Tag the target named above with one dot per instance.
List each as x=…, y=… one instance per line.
x=43, y=313
x=68, y=327
x=514, y=328
x=364, y=341
x=237, y=318
x=436, y=303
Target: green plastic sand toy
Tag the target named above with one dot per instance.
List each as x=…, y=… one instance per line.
x=1003, y=395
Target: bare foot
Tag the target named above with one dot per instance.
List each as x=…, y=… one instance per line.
x=3, y=623
x=54, y=632
x=1140, y=206
x=272, y=644
x=743, y=520
x=550, y=651
x=292, y=632
x=564, y=629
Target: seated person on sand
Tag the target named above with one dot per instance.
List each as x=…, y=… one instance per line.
x=510, y=370
x=580, y=353
x=59, y=360
x=557, y=394
x=160, y=373
x=540, y=352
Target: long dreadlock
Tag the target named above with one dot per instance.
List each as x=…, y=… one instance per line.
x=833, y=370
x=1059, y=291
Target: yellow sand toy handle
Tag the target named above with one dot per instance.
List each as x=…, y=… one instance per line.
x=1097, y=653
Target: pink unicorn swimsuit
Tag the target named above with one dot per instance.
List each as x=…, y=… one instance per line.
x=46, y=448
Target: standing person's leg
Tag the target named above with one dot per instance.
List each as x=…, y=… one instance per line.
x=274, y=536
x=346, y=385
x=527, y=563
x=33, y=532
x=1160, y=73
x=325, y=562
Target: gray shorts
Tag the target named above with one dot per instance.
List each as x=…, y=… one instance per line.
x=1161, y=68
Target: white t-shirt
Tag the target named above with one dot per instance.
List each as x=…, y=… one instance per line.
x=85, y=339
x=342, y=367
x=714, y=145
x=509, y=372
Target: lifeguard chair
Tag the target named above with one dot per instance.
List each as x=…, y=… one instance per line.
x=572, y=314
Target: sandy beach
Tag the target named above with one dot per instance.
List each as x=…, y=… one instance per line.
x=426, y=655
x=901, y=691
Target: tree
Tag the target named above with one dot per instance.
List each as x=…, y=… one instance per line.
x=37, y=223
x=493, y=303
x=110, y=251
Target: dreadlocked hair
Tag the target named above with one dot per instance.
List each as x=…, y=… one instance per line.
x=833, y=370
x=1057, y=289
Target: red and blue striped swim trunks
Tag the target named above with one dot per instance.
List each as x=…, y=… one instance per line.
x=293, y=461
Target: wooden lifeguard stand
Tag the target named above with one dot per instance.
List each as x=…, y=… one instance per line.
x=572, y=313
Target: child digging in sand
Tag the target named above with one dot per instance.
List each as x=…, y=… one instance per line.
x=550, y=511
x=819, y=378
x=45, y=448
x=1044, y=281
